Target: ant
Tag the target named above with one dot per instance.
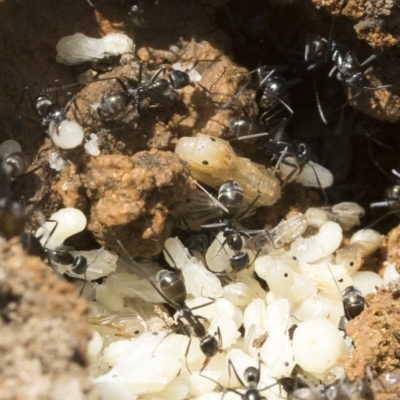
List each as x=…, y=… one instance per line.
x=173, y=291
x=230, y=200
x=160, y=90
x=274, y=92
x=250, y=381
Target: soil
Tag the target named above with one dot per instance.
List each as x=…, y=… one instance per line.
x=228, y=44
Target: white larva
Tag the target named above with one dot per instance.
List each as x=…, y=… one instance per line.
x=309, y=173
x=288, y=230
x=325, y=242
x=362, y=244
x=78, y=48
x=367, y=281
x=239, y=294
x=66, y=134
x=212, y=161
x=217, y=256
x=390, y=273
x=70, y=221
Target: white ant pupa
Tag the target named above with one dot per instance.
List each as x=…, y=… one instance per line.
x=212, y=161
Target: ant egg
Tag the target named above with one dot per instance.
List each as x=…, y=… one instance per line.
x=55, y=161
x=78, y=48
x=91, y=146
x=309, y=173
x=317, y=344
x=66, y=134
x=324, y=243
x=212, y=161
x=65, y=222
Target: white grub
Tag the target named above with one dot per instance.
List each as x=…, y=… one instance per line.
x=109, y=299
x=324, y=243
x=239, y=294
x=324, y=274
x=66, y=134
x=212, y=161
x=390, y=273
x=313, y=307
x=346, y=214
x=316, y=216
x=217, y=256
x=246, y=277
x=276, y=317
x=92, y=146
x=70, y=221
x=78, y=48
x=198, y=280
x=367, y=281
x=317, y=344
x=283, y=281
x=308, y=176
x=362, y=244
x=178, y=389
x=8, y=147
x=55, y=161
x=277, y=354
x=253, y=320
x=158, y=366
x=227, y=327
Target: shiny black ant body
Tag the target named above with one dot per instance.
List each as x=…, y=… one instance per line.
x=274, y=92
x=159, y=90
x=230, y=200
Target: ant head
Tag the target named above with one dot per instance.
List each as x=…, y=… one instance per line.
x=275, y=85
x=179, y=79
x=42, y=104
x=358, y=81
x=252, y=375
x=209, y=346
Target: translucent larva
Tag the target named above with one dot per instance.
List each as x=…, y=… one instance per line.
x=212, y=161
x=362, y=244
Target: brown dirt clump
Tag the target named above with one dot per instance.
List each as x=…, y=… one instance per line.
x=44, y=331
x=392, y=247
x=132, y=197
x=375, y=333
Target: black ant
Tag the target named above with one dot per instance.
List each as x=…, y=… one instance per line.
x=160, y=90
x=230, y=200
x=250, y=381
x=173, y=291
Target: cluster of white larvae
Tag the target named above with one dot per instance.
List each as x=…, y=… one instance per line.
x=133, y=354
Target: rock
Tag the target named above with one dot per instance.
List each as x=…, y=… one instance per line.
x=44, y=331
x=132, y=198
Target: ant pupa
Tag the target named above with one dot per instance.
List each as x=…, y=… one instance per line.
x=212, y=161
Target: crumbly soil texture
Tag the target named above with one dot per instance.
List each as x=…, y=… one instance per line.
x=131, y=190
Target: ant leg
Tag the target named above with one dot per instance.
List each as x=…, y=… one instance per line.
x=321, y=112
